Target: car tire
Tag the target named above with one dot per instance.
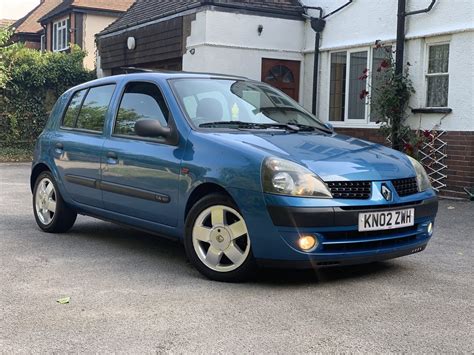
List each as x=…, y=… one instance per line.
x=51, y=212
x=216, y=240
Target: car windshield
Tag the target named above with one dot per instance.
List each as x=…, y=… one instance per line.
x=225, y=103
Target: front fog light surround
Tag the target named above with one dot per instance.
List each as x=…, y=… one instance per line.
x=284, y=177
x=307, y=243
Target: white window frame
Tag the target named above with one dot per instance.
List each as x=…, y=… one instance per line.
x=58, y=28
x=428, y=44
x=347, y=122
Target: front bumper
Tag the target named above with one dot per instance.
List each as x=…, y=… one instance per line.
x=276, y=223
x=343, y=260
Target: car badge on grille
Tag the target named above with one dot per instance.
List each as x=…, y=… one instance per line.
x=386, y=192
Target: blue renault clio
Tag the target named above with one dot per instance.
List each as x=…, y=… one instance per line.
x=233, y=168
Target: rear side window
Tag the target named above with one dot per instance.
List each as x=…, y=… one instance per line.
x=94, y=108
x=72, y=112
x=140, y=101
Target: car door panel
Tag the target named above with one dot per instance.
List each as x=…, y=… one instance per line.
x=142, y=181
x=77, y=145
x=78, y=163
x=140, y=176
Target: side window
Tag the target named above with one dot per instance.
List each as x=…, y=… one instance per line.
x=94, y=108
x=69, y=120
x=140, y=101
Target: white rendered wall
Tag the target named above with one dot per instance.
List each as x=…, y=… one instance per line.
x=365, y=21
x=229, y=43
x=93, y=24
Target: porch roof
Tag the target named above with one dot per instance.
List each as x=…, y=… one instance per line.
x=144, y=11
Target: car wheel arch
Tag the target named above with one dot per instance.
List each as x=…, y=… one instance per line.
x=201, y=191
x=37, y=170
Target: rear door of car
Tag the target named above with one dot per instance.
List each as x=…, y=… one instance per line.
x=77, y=144
x=140, y=176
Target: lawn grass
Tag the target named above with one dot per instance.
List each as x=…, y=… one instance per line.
x=15, y=154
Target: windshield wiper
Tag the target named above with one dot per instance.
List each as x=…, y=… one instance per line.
x=250, y=125
x=303, y=127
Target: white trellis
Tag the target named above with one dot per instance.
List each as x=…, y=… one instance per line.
x=433, y=157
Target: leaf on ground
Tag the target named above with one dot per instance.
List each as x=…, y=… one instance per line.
x=451, y=208
x=64, y=300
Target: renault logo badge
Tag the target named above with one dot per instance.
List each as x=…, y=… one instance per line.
x=386, y=192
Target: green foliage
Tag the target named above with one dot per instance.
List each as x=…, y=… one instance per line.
x=390, y=99
x=14, y=154
x=30, y=83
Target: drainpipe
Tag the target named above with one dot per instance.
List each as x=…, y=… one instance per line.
x=401, y=22
x=318, y=24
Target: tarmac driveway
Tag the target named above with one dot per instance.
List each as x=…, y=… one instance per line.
x=131, y=292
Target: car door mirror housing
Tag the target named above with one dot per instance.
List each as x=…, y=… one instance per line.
x=151, y=129
x=329, y=126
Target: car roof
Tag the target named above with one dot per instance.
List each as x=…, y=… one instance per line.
x=147, y=75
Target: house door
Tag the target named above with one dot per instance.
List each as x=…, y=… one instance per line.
x=282, y=74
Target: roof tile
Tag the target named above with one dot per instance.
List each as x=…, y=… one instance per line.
x=104, y=5
x=29, y=23
x=6, y=22
x=143, y=11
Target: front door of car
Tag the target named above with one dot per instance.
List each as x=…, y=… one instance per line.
x=140, y=176
x=77, y=145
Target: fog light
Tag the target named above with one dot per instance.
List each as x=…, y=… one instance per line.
x=307, y=242
x=430, y=229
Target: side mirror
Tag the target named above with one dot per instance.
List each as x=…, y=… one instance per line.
x=151, y=129
x=330, y=126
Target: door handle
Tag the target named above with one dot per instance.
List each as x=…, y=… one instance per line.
x=112, y=158
x=112, y=155
x=59, y=148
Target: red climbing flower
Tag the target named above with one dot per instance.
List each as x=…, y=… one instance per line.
x=363, y=94
x=385, y=64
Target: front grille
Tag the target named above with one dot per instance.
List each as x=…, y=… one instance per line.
x=354, y=235
x=347, y=241
x=406, y=187
x=378, y=207
x=357, y=190
x=388, y=243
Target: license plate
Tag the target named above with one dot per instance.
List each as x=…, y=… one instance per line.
x=375, y=221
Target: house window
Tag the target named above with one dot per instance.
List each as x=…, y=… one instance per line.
x=61, y=35
x=348, y=85
x=437, y=77
x=337, y=104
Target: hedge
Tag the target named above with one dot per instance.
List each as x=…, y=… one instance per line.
x=30, y=83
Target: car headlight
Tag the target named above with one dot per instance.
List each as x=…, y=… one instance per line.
x=422, y=178
x=284, y=177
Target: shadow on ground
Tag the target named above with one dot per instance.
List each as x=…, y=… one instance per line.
x=172, y=253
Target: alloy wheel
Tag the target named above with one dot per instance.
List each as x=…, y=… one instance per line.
x=45, y=201
x=220, y=238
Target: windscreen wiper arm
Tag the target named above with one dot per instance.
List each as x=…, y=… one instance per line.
x=250, y=125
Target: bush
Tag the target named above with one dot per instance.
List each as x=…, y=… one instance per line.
x=30, y=83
